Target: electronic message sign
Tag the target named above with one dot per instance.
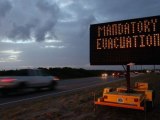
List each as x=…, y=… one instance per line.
x=123, y=42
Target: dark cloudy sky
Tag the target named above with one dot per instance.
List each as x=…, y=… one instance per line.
x=55, y=33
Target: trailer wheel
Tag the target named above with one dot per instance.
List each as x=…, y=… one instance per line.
x=153, y=99
x=149, y=106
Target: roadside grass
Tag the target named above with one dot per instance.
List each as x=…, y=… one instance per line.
x=77, y=105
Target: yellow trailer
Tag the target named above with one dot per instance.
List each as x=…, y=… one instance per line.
x=139, y=98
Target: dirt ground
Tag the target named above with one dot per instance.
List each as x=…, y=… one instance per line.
x=79, y=106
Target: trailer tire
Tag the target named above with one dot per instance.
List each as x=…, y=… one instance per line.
x=153, y=98
x=149, y=106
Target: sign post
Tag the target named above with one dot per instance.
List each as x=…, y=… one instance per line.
x=128, y=77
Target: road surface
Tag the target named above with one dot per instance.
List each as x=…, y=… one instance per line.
x=64, y=86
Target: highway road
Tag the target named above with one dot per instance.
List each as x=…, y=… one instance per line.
x=64, y=86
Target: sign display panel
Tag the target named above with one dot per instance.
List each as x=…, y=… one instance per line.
x=123, y=42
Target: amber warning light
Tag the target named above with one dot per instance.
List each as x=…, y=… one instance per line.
x=122, y=42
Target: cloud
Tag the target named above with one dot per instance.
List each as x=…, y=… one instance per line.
x=5, y=7
x=10, y=55
x=53, y=46
x=10, y=52
x=23, y=32
x=41, y=19
x=28, y=20
x=48, y=26
x=113, y=10
x=56, y=32
x=18, y=41
x=48, y=7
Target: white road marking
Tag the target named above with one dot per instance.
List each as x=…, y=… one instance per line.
x=58, y=93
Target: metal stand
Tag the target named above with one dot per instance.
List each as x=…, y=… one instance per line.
x=128, y=79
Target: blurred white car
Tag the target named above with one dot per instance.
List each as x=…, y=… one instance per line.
x=34, y=78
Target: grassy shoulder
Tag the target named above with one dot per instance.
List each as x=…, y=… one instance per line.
x=79, y=105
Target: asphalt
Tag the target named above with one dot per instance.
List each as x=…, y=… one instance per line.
x=64, y=86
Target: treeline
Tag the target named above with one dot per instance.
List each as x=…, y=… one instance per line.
x=66, y=72
x=62, y=73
